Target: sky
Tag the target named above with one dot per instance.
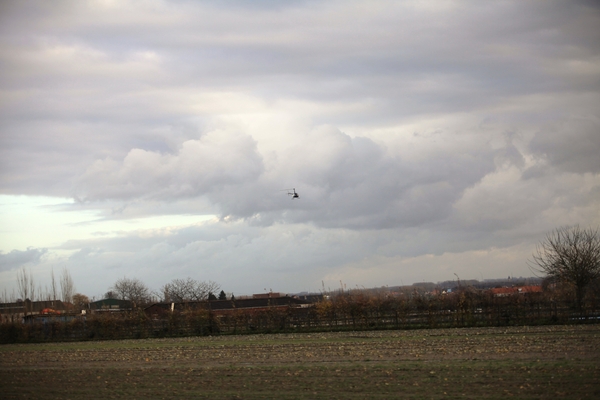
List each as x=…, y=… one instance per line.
x=428, y=140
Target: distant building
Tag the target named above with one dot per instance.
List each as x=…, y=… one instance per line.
x=267, y=295
x=49, y=318
x=510, y=291
x=311, y=298
x=15, y=312
x=224, y=307
x=108, y=305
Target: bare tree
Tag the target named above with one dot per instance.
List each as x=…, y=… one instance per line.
x=43, y=293
x=53, y=290
x=188, y=290
x=26, y=287
x=24, y=283
x=32, y=288
x=132, y=289
x=569, y=255
x=9, y=298
x=67, y=287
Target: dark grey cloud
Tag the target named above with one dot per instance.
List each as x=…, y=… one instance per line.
x=17, y=258
x=409, y=129
x=572, y=146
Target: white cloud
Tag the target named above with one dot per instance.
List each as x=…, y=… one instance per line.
x=215, y=160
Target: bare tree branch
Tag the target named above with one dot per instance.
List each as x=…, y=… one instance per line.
x=53, y=285
x=188, y=289
x=132, y=289
x=23, y=283
x=569, y=255
x=67, y=287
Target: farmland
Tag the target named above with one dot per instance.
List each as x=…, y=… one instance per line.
x=489, y=363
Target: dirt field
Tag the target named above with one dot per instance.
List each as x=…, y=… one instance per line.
x=490, y=363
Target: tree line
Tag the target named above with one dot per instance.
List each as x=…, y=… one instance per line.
x=345, y=310
x=61, y=288
x=131, y=289
x=178, y=290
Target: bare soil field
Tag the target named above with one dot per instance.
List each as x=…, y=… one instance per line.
x=475, y=363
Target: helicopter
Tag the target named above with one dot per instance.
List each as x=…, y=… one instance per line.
x=292, y=192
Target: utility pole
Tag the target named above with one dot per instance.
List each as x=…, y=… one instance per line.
x=458, y=280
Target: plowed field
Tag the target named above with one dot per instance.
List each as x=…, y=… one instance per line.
x=490, y=363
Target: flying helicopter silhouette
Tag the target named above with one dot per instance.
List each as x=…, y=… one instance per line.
x=292, y=192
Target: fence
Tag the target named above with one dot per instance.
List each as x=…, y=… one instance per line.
x=348, y=311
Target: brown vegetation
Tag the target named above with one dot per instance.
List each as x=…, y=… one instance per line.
x=354, y=310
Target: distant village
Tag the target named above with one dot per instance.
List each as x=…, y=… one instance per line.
x=44, y=311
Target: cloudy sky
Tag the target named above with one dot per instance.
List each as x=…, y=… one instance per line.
x=152, y=139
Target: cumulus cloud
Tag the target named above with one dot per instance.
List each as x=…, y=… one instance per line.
x=360, y=184
x=217, y=159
